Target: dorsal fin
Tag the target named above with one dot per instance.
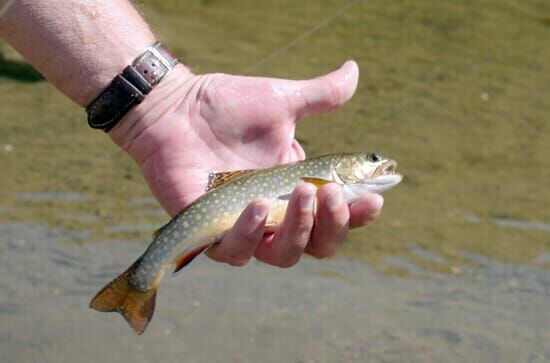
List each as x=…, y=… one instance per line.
x=216, y=180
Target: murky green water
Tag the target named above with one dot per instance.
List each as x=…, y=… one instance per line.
x=456, y=92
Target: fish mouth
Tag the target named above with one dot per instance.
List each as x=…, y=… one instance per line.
x=384, y=177
x=387, y=167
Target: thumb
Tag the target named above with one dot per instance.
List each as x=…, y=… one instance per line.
x=324, y=93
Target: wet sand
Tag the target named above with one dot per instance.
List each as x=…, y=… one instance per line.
x=332, y=311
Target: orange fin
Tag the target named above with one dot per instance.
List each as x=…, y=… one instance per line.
x=270, y=227
x=216, y=180
x=137, y=307
x=318, y=182
x=186, y=258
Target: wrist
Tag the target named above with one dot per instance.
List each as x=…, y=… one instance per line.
x=130, y=87
x=129, y=133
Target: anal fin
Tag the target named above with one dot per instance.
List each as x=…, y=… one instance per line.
x=189, y=256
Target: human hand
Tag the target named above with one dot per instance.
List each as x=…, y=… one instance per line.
x=194, y=124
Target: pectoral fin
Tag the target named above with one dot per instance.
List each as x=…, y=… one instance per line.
x=318, y=182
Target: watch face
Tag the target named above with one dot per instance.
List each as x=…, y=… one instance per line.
x=150, y=67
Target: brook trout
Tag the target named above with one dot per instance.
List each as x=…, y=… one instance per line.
x=204, y=222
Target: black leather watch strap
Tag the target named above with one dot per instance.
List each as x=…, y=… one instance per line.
x=130, y=87
x=133, y=76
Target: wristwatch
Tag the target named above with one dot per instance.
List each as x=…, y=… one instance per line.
x=129, y=88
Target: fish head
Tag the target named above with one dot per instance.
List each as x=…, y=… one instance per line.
x=369, y=172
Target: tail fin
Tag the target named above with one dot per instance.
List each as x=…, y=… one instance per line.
x=120, y=295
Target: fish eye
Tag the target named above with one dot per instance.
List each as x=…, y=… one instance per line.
x=373, y=157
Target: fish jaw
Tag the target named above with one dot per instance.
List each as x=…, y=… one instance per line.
x=379, y=184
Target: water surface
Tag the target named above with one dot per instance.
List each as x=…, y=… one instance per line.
x=335, y=311
x=456, y=269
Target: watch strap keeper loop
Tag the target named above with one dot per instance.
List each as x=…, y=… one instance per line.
x=130, y=87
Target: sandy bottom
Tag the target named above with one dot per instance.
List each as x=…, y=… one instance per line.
x=330, y=311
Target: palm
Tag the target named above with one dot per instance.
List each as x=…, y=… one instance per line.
x=244, y=123
x=218, y=122
x=230, y=122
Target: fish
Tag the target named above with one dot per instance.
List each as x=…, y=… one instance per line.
x=204, y=221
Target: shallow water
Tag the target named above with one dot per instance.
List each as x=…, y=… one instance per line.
x=457, y=268
x=455, y=92
x=335, y=311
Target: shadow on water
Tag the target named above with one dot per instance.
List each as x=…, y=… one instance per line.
x=18, y=71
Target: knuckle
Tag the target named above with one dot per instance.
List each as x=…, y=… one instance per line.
x=340, y=225
x=245, y=233
x=332, y=92
x=302, y=233
x=304, y=213
x=300, y=240
x=302, y=227
x=336, y=219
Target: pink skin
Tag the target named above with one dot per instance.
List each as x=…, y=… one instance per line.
x=190, y=125
x=217, y=122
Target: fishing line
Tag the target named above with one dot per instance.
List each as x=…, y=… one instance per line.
x=303, y=36
x=5, y=6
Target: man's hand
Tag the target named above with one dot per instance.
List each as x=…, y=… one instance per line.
x=195, y=124
x=190, y=125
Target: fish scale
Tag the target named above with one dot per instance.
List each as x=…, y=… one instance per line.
x=228, y=201
x=204, y=222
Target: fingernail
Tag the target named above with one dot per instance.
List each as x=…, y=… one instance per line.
x=260, y=211
x=334, y=199
x=306, y=200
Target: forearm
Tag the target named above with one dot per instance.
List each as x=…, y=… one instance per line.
x=77, y=45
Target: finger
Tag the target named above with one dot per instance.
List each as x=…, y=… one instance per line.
x=365, y=210
x=331, y=222
x=324, y=93
x=240, y=242
x=297, y=152
x=291, y=238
